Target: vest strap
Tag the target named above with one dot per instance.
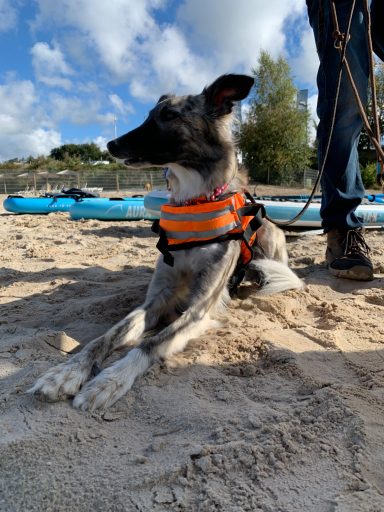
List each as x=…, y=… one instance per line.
x=246, y=236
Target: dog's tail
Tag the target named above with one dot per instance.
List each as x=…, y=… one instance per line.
x=273, y=276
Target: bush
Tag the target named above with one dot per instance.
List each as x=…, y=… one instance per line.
x=274, y=138
x=368, y=174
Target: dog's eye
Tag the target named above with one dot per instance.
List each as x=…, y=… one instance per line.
x=168, y=114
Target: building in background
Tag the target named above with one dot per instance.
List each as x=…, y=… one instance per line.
x=302, y=99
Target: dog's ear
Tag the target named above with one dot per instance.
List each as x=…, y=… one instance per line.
x=226, y=89
x=164, y=97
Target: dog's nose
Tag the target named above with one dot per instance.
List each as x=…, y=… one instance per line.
x=112, y=147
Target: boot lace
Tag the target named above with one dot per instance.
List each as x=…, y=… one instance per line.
x=355, y=243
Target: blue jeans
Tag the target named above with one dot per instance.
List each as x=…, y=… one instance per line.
x=342, y=186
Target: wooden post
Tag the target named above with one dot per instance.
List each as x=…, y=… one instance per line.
x=117, y=183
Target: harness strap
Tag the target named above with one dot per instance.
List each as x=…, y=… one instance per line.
x=163, y=246
x=246, y=236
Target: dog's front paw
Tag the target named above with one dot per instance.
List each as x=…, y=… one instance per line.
x=100, y=393
x=60, y=382
x=113, y=382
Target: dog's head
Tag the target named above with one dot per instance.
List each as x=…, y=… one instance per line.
x=190, y=131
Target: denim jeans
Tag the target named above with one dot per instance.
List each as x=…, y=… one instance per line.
x=342, y=186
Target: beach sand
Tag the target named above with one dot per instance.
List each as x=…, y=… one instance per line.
x=279, y=410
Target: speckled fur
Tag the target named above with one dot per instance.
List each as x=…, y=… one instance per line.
x=190, y=135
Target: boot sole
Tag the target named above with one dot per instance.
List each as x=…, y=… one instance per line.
x=357, y=273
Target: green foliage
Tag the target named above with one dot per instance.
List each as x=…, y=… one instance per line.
x=78, y=153
x=14, y=163
x=364, y=142
x=113, y=166
x=38, y=163
x=273, y=140
x=368, y=174
x=67, y=156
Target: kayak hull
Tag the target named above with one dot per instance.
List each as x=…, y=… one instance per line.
x=126, y=208
x=282, y=210
x=38, y=205
x=148, y=207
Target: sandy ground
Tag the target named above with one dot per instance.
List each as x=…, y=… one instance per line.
x=279, y=410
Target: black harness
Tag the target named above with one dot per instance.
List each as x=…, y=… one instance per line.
x=254, y=210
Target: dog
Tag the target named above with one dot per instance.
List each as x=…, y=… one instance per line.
x=191, y=136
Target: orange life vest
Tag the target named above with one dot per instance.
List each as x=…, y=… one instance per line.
x=231, y=218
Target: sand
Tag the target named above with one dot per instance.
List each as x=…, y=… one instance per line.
x=279, y=410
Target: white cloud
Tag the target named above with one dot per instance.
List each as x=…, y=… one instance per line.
x=101, y=142
x=29, y=121
x=306, y=64
x=127, y=42
x=235, y=32
x=17, y=100
x=23, y=125
x=34, y=143
x=124, y=38
x=171, y=66
x=119, y=105
x=42, y=141
x=8, y=15
x=50, y=66
x=77, y=110
x=112, y=28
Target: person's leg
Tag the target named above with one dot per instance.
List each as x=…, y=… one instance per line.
x=342, y=186
x=377, y=15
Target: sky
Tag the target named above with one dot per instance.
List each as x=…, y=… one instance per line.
x=76, y=71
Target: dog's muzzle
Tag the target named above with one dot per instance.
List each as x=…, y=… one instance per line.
x=113, y=147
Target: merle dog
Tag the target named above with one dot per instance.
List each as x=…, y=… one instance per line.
x=191, y=135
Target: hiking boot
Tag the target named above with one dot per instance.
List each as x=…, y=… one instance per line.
x=348, y=255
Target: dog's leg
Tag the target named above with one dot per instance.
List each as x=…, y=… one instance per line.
x=209, y=289
x=67, y=378
x=272, y=241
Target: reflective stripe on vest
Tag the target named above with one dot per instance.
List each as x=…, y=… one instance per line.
x=206, y=221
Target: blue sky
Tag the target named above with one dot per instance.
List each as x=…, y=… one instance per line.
x=69, y=67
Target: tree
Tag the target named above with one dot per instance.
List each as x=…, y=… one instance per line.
x=40, y=162
x=273, y=139
x=82, y=152
x=365, y=147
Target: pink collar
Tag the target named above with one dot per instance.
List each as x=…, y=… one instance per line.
x=218, y=191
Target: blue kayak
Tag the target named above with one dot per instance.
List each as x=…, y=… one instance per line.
x=127, y=208
x=120, y=208
x=279, y=208
x=154, y=200
x=284, y=208
x=38, y=205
